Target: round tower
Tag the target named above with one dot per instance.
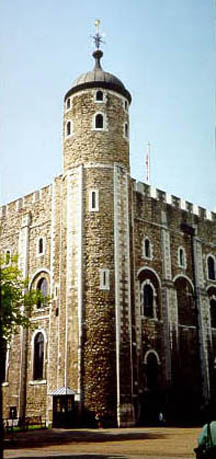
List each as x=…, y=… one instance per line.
x=96, y=242
x=96, y=121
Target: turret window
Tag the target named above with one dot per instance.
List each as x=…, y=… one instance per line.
x=68, y=128
x=99, y=121
x=99, y=96
x=68, y=104
x=126, y=130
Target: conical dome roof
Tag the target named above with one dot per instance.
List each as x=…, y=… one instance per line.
x=98, y=78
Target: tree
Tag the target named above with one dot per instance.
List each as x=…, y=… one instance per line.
x=16, y=303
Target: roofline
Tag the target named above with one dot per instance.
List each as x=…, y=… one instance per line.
x=99, y=84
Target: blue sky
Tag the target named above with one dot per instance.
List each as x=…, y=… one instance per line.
x=163, y=51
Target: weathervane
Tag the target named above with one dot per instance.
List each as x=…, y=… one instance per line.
x=97, y=37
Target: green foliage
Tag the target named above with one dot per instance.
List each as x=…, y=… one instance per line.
x=16, y=301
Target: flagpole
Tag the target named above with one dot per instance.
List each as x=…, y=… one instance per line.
x=147, y=162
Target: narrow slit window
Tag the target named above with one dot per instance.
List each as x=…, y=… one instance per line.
x=211, y=268
x=104, y=279
x=68, y=104
x=40, y=246
x=126, y=130
x=68, y=128
x=94, y=204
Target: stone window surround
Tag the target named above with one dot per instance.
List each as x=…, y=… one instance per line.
x=104, y=279
x=96, y=207
x=183, y=265
x=146, y=238
x=66, y=104
x=67, y=136
x=104, y=96
x=151, y=351
x=38, y=246
x=207, y=270
x=39, y=274
x=36, y=331
x=142, y=307
x=105, y=127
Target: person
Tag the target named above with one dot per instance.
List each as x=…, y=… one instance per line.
x=207, y=438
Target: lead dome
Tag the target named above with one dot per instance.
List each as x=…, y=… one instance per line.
x=98, y=78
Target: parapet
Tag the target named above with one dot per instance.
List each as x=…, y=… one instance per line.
x=162, y=196
x=26, y=201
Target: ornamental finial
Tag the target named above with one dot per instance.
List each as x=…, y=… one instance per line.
x=97, y=37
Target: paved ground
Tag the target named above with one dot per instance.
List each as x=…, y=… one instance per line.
x=133, y=443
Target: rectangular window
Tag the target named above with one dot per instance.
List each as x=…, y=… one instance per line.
x=104, y=279
x=94, y=200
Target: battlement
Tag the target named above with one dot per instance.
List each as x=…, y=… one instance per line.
x=26, y=201
x=163, y=196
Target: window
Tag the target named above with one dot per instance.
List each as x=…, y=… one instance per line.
x=38, y=359
x=68, y=104
x=68, y=128
x=40, y=246
x=147, y=248
x=43, y=288
x=7, y=257
x=99, y=122
x=213, y=312
x=126, y=131
x=99, y=96
x=94, y=200
x=211, y=267
x=126, y=105
x=104, y=279
x=148, y=298
x=181, y=257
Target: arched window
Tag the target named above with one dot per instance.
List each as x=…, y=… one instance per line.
x=94, y=200
x=213, y=312
x=68, y=129
x=211, y=267
x=148, y=299
x=40, y=246
x=147, y=249
x=99, y=96
x=43, y=288
x=99, y=121
x=38, y=359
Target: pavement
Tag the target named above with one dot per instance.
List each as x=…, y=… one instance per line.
x=125, y=443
